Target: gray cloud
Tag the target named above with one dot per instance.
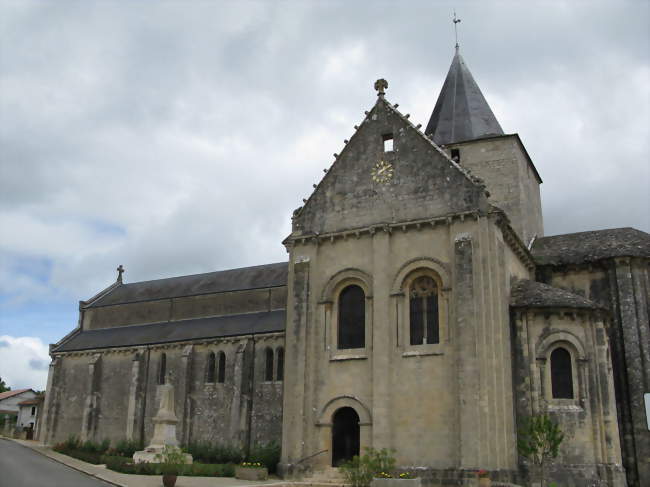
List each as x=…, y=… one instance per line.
x=4, y=344
x=37, y=364
x=178, y=137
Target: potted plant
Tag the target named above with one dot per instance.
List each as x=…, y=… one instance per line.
x=251, y=471
x=171, y=462
x=484, y=478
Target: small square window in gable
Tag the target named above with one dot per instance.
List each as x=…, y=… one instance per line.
x=388, y=142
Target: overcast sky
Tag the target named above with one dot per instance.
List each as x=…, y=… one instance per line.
x=177, y=137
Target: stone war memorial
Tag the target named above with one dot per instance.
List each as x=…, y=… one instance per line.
x=421, y=309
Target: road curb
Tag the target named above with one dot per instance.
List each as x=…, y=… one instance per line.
x=44, y=453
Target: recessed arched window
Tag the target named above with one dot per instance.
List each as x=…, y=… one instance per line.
x=221, y=371
x=268, y=365
x=279, y=375
x=212, y=363
x=162, y=368
x=352, y=318
x=423, y=311
x=561, y=374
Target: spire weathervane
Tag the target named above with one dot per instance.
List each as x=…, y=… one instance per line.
x=456, y=22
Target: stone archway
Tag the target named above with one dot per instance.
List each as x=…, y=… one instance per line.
x=346, y=435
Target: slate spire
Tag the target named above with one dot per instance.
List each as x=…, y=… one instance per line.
x=461, y=112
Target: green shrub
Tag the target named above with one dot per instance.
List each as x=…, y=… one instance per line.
x=92, y=447
x=268, y=455
x=85, y=456
x=125, y=465
x=72, y=443
x=127, y=448
x=374, y=463
x=206, y=452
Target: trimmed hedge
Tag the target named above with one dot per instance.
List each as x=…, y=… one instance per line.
x=126, y=465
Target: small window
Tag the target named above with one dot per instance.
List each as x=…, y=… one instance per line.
x=388, y=142
x=268, y=370
x=561, y=374
x=352, y=318
x=221, y=372
x=279, y=375
x=33, y=410
x=212, y=364
x=455, y=155
x=162, y=369
x=423, y=311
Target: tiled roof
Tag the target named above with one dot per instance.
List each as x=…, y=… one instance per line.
x=176, y=331
x=261, y=276
x=583, y=247
x=531, y=294
x=7, y=394
x=31, y=402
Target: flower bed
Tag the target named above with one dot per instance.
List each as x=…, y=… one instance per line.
x=251, y=471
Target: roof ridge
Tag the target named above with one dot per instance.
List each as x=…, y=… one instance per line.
x=204, y=273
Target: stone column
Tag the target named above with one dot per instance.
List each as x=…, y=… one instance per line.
x=469, y=417
x=91, y=406
x=293, y=427
x=185, y=390
x=46, y=432
x=633, y=302
x=238, y=418
x=379, y=347
x=133, y=417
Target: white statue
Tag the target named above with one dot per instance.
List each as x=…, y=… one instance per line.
x=164, y=430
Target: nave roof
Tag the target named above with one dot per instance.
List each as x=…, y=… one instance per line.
x=241, y=279
x=176, y=331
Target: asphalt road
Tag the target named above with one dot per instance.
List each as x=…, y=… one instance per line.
x=22, y=467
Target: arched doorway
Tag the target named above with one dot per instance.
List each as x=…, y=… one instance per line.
x=345, y=435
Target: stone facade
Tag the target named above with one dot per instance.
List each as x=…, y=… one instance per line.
x=421, y=309
x=100, y=388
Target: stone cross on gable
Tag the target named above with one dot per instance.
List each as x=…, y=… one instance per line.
x=381, y=85
x=120, y=271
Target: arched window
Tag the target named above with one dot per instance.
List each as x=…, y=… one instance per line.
x=162, y=369
x=212, y=363
x=221, y=373
x=352, y=318
x=561, y=374
x=279, y=375
x=423, y=311
x=268, y=367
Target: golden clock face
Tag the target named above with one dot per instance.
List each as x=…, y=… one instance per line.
x=382, y=172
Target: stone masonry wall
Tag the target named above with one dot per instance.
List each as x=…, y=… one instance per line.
x=622, y=285
x=113, y=394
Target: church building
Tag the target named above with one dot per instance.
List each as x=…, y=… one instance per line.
x=421, y=309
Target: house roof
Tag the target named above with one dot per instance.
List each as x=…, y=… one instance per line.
x=261, y=276
x=31, y=402
x=461, y=112
x=531, y=294
x=176, y=331
x=583, y=247
x=8, y=394
x=8, y=411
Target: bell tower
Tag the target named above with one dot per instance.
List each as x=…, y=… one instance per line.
x=463, y=124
